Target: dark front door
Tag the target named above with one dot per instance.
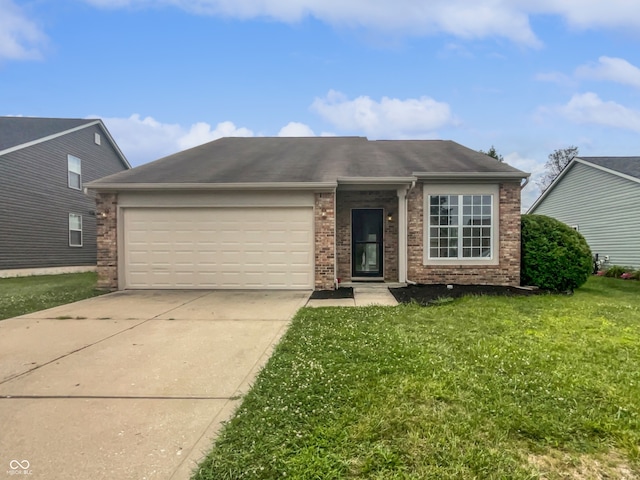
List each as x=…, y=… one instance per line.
x=366, y=237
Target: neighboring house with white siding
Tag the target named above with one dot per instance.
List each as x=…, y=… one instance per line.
x=600, y=197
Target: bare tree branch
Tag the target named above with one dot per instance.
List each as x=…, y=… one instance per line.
x=558, y=161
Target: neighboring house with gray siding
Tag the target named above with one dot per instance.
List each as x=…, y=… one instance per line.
x=47, y=219
x=600, y=197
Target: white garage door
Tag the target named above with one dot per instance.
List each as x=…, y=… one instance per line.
x=218, y=248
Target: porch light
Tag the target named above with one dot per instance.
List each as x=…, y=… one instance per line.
x=390, y=217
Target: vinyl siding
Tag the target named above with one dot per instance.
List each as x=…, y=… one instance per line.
x=605, y=207
x=35, y=200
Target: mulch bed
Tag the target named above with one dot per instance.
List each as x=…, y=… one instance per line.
x=342, y=292
x=426, y=294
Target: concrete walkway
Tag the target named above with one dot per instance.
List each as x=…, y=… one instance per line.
x=130, y=385
x=363, y=295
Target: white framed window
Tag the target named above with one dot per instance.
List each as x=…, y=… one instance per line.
x=461, y=224
x=75, y=230
x=97, y=139
x=74, y=168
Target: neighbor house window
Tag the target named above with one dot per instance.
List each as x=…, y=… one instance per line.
x=74, y=167
x=75, y=230
x=460, y=227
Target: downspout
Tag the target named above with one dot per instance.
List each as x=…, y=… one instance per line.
x=336, y=282
x=406, y=216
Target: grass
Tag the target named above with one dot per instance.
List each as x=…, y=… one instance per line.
x=482, y=387
x=22, y=295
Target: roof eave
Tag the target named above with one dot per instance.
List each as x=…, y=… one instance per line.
x=115, y=187
x=90, y=123
x=609, y=170
x=471, y=176
x=15, y=148
x=375, y=180
x=554, y=183
x=114, y=144
x=567, y=168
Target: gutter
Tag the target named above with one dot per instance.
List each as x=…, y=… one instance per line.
x=107, y=187
x=375, y=180
x=466, y=177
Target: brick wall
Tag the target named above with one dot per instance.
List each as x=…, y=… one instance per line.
x=324, y=213
x=107, y=240
x=348, y=200
x=507, y=272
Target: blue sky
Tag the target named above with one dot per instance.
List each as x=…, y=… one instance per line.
x=527, y=76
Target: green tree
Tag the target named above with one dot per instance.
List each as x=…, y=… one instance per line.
x=493, y=153
x=557, y=162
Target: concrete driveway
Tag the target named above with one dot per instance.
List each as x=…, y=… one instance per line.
x=130, y=385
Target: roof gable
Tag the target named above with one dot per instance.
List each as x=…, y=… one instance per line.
x=621, y=165
x=310, y=160
x=17, y=133
x=624, y=167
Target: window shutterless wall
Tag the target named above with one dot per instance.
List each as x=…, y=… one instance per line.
x=35, y=200
x=460, y=191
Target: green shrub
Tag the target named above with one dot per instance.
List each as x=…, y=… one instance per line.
x=615, y=271
x=554, y=256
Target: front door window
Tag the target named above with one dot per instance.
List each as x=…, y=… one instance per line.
x=367, y=242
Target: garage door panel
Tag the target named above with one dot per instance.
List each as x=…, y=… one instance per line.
x=218, y=248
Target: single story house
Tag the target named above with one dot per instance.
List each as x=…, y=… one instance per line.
x=309, y=213
x=599, y=197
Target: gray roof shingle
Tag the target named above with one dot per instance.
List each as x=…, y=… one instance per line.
x=15, y=131
x=308, y=160
x=627, y=165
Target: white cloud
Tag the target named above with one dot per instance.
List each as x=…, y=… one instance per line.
x=586, y=14
x=145, y=139
x=611, y=69
x=555, y=77
x=20, y=37
x=296, y=129
x=533, y=166
x=466, y=19
x=588, y=107
x=388, y=118
x=201, y=132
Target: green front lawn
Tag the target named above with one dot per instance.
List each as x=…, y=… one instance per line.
x=481, y=387
x=22, y=295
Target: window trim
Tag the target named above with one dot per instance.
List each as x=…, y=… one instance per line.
x=463, y=189
x=69, y=172
x=75, y=230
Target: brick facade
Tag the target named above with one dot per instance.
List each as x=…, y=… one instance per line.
x=107, y=240
x=507, y=272
x=332, y=219
x=387, y=200
x=325, y=240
